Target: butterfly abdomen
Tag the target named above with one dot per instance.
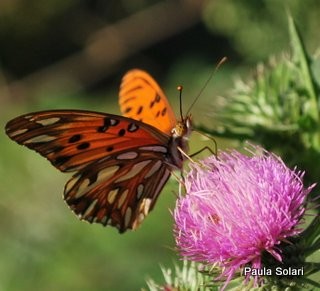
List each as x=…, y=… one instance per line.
x=175, y=156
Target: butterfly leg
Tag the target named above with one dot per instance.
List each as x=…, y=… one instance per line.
x=194, y=154
x=203, y=149
x=215, y=151
x=189, y=157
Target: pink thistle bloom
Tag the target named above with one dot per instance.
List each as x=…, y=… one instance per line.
x=238, y=207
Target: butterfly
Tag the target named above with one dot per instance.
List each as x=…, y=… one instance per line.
x=120, y=163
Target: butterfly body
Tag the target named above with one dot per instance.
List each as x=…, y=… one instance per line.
x=121, y=163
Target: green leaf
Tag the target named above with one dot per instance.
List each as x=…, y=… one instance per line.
x=301, y=57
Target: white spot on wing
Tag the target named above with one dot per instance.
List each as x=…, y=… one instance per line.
x=135, y=170
x=127, y=156
x=112, y=195
x=159, y=149
x=127, y=217
x=154, y=169
x=140, y=189
x=132, y=127
x=138, y=220
x=41, y=138
x=71, y=183
x=83, y=188
x=123, y=198
x=90, y=208
x=113, y=122
x=106, y=173
x=48, y=121
x=18, y=132
x=145, y=206
x=162, y=181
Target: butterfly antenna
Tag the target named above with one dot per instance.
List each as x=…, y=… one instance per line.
x=224, y=59
x=180, y=88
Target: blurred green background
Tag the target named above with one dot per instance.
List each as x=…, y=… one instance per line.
x=72, y=54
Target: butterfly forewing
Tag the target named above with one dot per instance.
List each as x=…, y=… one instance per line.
x=73, y=139
x=142, y=99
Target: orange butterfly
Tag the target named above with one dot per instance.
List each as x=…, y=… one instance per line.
x=121, y=163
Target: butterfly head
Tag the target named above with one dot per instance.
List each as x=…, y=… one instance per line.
x=183, y=127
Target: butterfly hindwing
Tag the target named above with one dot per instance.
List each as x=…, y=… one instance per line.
x=142, y=99
x=119, y=191
x=71, y=140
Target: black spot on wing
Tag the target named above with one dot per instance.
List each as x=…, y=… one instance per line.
x=122, y=132
x=164, y=111
x=83, y=146
x=75, y=138
x=109, y=148
x=158, y=98
x=139, y=110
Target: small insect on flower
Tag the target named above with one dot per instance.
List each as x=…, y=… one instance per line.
x=238, y=207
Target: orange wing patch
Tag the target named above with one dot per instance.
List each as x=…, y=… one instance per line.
x=142, y=99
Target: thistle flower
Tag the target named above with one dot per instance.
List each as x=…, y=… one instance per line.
x=237, y=209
